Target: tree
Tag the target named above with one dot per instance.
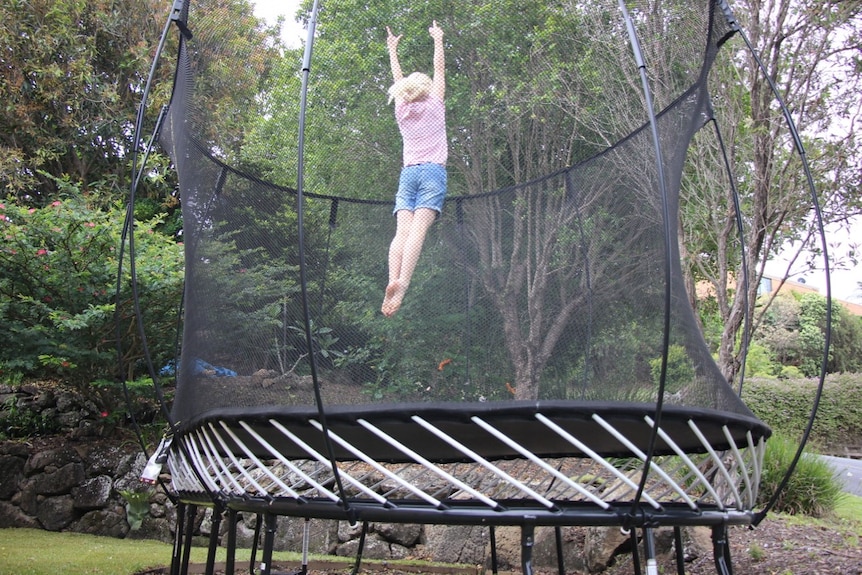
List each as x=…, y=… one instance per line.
x=72, y=74
x=810, y=51
x=529, y=96
x=58, y=276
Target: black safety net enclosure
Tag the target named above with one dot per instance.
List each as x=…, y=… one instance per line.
x=543, y=360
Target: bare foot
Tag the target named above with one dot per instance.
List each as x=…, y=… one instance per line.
x=394, y=296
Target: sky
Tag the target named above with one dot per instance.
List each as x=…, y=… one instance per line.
x=270, y=10
x=844, y=282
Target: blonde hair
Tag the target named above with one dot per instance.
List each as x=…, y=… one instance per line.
x=411, y=88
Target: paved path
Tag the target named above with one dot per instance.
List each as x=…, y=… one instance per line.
x=849, y=471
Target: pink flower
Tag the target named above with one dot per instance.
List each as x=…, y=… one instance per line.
x=55, y=204
x=2, y=206
x=104, y=414
x=41, y=252
x=90, y=225
x=31, y=211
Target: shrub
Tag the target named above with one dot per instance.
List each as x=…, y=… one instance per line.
x=812, y=489
x=58, y=276
x=785, y=405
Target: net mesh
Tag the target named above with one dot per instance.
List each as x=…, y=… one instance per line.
x=552, y=272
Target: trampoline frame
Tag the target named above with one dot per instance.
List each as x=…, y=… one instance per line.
x=312, y=471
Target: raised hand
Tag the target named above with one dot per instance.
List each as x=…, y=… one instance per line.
x=435, y=31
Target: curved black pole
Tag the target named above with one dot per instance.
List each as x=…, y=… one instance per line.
x=128, y=227
x=668, y=247
x=818, y=217
x=300, y=204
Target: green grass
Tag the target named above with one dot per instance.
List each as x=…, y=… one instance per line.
x=36, y=552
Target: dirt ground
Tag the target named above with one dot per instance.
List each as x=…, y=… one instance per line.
x=781, y=546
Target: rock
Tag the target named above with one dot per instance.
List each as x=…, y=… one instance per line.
x=601, y=545
x=26, y=498
x=401, y=533
x=348, y=531
x=374, y=549
x=13, y=516
x=508, y=541
x=55, y=513
x=52, y=458
x=696, y=542
x=128, y=473
x=456, y=543
x=101, y=459
x=60, y=481
x=158, y=528
x=105, y=522
x=93, y=493
x=11, y=473
x=545, y=548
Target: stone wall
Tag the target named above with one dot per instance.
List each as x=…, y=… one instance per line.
x=70, y=486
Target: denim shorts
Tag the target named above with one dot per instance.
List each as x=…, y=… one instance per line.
x=421, y=186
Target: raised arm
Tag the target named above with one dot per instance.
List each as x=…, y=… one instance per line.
x=438, y=88
x=392, y=44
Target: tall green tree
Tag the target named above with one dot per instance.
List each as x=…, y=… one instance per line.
x=71, y=74
x=810, y=51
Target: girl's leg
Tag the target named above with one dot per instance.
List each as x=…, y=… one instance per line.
x=404, y=252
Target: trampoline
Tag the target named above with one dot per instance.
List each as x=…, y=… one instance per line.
x=546, y=366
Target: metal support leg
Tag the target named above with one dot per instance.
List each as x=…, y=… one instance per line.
x=649, y=551
x=270, y=527
x=528, y=539
x=231, y=542
x=258, y=522
x=213, y=546
x=191, y=515
x=178, y=539
x=306, y=535
x=360, y=548
x=561, y=562
x=680, y=553
x=721, y=550
x=636, y=557
x=492, y=534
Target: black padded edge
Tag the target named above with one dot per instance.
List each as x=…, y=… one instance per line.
x=516, y=419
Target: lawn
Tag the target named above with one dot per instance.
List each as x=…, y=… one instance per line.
x=36, y=552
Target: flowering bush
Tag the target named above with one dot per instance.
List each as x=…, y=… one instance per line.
x=58, y=284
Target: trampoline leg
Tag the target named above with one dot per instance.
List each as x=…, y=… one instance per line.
x=636, y=555
x=211, y=551
x=527, y=540
x=649, y=551
x=190, y=531
x=360, y=548
x=721, y=550
x=561, y=562
x=306, y=534
x=258, y=521
x=493, y=540
x=680, y=556
x=178, y=539
x=271, y=524
x=231, y=542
